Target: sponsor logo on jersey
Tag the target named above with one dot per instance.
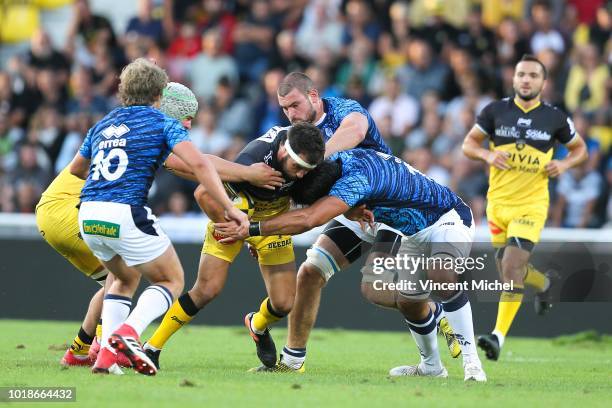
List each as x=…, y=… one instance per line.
x=101, y=228
x=115, y=131
x=104, y=144
x=507, y=131
x=523, y=122
x=535, y=134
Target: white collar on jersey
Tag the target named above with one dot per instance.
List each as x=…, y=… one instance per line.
x=321, y=120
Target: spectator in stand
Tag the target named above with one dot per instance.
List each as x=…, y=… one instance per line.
x=285, y=55
x=392, y=44
x=583, y=128
x=42, y=55
x=267, y=110
x=423, y=73
x=218, y=17
x=233, y=112
x=254, y=40
x=144, y=24
x=359, y=25
x=29, y=170
x=511, y=46
x=210, y=66
x=320, y=25
x=206, y=135
x=423, y=160
x=577, y=193
x=87, y=31
x=587, y=86
x=320, y=78
x=360, y=64
x=402, y=109
x=83, y=98
x=545, y=35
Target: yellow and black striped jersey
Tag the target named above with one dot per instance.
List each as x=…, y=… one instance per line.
x=529, y=136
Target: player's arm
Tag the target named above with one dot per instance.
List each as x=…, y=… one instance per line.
x=577, y=153
x=206, y=175
x=292, y=222
x=79, y=166
x=472, y=148
x=257, y=174
x=352, y=131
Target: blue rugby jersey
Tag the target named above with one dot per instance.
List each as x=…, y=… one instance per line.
x=399, y=195
x=336, y=109
x=126, y=147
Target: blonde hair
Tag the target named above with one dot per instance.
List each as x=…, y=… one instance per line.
x=141, y=83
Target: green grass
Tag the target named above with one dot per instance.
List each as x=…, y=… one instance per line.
x=207, y=366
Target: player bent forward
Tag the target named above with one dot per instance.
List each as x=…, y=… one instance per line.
x=435, y=222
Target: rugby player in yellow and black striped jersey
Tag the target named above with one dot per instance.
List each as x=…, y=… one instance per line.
x=294, y=151
x=522, y=132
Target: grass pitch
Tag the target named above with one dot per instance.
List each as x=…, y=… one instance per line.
x=206, y=366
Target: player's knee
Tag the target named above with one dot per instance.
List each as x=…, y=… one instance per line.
x=204, y=292
x=319, y=266
x=310, y=275
x=282, y=306
x=512, y=269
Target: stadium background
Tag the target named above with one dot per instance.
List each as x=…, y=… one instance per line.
x=424, y=69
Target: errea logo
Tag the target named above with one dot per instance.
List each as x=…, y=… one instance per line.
x=115, y=131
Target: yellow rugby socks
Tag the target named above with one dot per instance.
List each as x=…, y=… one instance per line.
x=265, y=317
x=99, y=330
x=81, y=343
x=180, y=313
x=509, y=304
x=536, y=279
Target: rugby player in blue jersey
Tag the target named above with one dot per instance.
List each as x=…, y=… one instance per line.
x=119, y=157
x=345, y=124
x=433, y=221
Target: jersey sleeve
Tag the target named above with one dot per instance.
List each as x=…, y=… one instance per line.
x=485, y=121
x=255, y=152
x=174, y=133
x=85, y=149
x=352, y=189
x=567, y=131
x=346, y=107
x=259, y=149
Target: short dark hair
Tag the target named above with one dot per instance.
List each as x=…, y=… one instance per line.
x=295, y=80
x=305, y=138
x=316, y=183
x=533, y=58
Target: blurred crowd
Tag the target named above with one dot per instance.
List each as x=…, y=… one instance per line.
x=423, y=68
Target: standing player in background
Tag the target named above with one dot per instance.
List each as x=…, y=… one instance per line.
x=345, y=124
x=125, y=149
x=522, y=132
x=57, y=221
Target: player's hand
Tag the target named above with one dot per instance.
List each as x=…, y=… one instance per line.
x=231, y=230
x=362, y=215
x=498, y=159
x=264, y=176
x=252, y=251
x=241, y=225
x=555, y=168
